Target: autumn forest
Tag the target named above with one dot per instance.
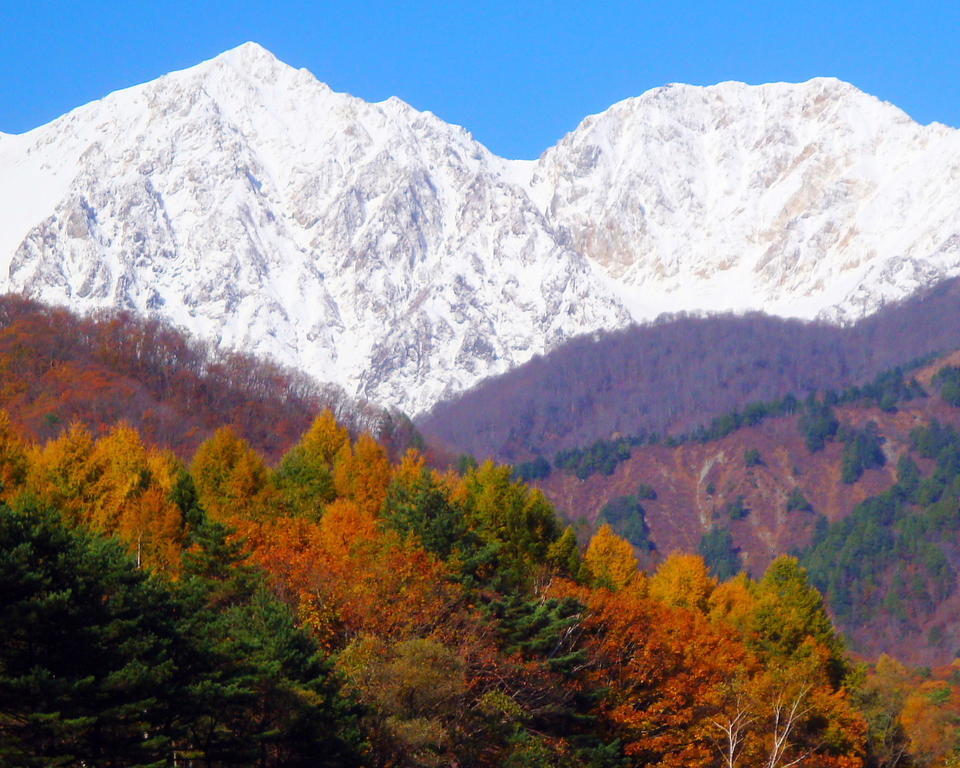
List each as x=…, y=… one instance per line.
x=336, y=593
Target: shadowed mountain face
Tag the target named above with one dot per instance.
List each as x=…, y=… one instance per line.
x=678, y=373
x=384, y=250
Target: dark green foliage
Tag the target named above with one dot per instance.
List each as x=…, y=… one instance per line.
x=887, y=389
x=219, y=566
x=751, y=415
x=847, y=563
x=817, y=424
x=908, y=475
x=305, y=486
x=719, y=553
x=465, y=463
x=88, y=663
x=508, y=536
x=627, y=517
x=752, y=458
x=564, y=554
x=272, y=699
x=736, y=509
x=540, y=629
x=645, y=492
x=184, y=495
x=888, y=553
x=862, y=450
x=424, y=511
x=797, y=502
x=931, y=440
x=947, y=380
x=514, y=528
x=537, y=469
x=602, y=457
x=789, y=610
x=265, y=696
x=103, y=664
x=547, y=633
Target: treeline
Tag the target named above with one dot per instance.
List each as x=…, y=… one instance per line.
x=340, y=608
x=59, y=367
x=672, y=375
x=817, y=423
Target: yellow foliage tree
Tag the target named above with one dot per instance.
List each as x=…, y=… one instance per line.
x=63, y=474
x=362, y=473
x=733, y=602
x=304, y=478
x=122, y=475
x=323, y=441
x=113, y=486
x=610, y=559
x=231, y=478
x=683, y=581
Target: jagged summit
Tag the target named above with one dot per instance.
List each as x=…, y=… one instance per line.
x=800, y=200
x=381, y=248
x=371, y=244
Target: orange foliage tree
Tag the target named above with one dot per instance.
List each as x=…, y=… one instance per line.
x=13, y=459
x=665, y=670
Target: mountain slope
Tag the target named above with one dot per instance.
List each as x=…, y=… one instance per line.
x=799, y=200
x=673, y=375
x=380, y=248
x=59, y=368
x=369, y=244
x=891, y=579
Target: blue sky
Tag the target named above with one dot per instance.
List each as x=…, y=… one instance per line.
x=517, y=74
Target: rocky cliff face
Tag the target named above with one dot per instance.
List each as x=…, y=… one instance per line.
x=800, y=200
x=369, y=244
x=380, y=248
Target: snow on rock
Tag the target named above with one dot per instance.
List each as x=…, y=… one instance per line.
x=382, y=249
x=800, y=200
x=370, y=244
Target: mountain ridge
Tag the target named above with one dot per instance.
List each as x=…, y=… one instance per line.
x=380, y=248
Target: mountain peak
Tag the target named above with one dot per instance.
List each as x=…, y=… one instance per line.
x=384, y=249
x=248, y=57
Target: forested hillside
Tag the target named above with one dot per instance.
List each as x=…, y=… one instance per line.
x=339, y=609
x=59, y=367
x=858, y=482
x=680, y=372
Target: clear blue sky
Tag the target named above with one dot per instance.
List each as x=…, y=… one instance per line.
x=517, y=74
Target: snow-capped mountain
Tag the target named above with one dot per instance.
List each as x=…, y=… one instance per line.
x=370, y=244
x=383, y=249
x=800, y=200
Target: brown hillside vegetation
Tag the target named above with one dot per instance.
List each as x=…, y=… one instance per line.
x=58, y=367
x=672, y=375
x=698, y=485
